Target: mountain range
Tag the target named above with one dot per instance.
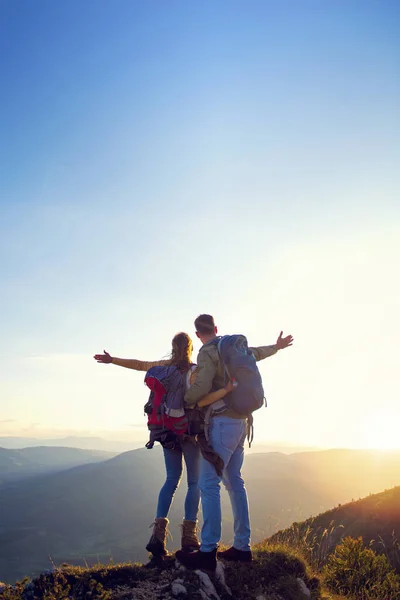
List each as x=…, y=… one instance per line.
x=118, y=445
x=100, y=511
x=29, y=462
x=72, y=441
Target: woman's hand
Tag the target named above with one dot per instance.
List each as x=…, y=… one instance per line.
x=229, y=387
x=103, y=358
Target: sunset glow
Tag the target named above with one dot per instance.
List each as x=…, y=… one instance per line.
x=224, y=160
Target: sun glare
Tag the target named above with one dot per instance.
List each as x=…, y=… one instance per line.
x=382, y=433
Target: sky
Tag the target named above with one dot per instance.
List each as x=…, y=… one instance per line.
x=159, y=160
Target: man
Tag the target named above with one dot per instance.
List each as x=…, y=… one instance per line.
x=227, y=436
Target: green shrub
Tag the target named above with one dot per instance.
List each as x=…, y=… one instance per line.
x=354, y=570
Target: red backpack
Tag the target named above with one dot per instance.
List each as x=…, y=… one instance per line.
x=165, y=407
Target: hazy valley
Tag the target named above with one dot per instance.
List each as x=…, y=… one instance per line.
x=102, y=510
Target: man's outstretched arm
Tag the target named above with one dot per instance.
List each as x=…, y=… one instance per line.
x=262, y=352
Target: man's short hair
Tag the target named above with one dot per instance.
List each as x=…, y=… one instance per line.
x=204, y=324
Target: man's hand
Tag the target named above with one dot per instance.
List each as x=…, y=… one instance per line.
x=283, y=342
x=103, y=358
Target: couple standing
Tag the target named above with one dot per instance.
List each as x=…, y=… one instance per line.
x=227, y=435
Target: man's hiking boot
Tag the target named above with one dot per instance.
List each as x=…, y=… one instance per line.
x=190, y=541
x=237, y=555
x=157, y=544
x=206, y=561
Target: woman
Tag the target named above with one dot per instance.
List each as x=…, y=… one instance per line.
x=181, y=354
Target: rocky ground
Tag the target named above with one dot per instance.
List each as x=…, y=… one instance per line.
x=274, y=575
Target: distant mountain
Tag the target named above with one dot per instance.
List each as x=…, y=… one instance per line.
x=84, y=443
x=119, y=446
x=284, y=448
x=352, y=473
x=29, y=462
x=375, y=518
x=102, y=511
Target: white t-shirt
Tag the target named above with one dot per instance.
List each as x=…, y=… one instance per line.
x=188, y=376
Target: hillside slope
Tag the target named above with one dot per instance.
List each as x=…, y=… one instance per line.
x=375, y=518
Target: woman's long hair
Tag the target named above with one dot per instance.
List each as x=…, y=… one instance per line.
x=181, y=353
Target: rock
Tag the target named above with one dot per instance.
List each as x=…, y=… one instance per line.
x=220, y=577
x=303, y=588
x=177, y=589
x=207, y=589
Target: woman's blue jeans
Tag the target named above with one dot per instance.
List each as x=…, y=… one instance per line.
x=174, y=467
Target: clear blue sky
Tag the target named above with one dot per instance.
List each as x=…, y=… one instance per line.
x=162, y=159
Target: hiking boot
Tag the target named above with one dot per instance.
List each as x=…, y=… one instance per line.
x=237, y=555
x=157, y=543
x=190, y=541
x=206, y=561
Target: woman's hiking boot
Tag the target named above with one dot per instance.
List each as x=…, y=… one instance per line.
x=236, y=555
x=190, y=541
x=157, y=544
x=206, y=561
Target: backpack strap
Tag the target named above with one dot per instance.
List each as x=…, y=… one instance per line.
x=250, y=429
x=219, y=344
x=214, y=409
x=188, y=375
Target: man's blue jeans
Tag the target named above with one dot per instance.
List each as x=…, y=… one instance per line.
x=227, y=437
x=174, y=467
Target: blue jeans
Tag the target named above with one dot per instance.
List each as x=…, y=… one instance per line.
x=227, y=437
x=174, y=467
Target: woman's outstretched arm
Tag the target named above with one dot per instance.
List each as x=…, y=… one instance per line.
x=129, y=363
